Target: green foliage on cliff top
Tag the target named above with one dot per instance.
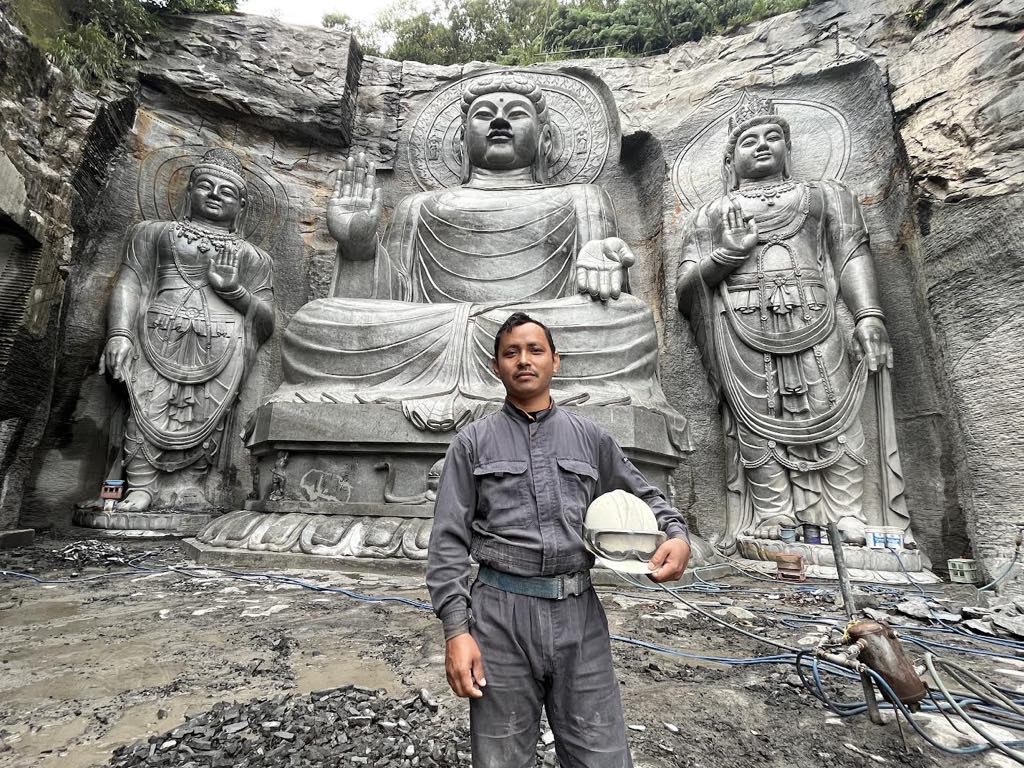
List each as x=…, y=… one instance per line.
x=92, y=40
x=528, y=31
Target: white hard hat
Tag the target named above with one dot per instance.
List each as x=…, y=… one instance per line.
x=622, y=532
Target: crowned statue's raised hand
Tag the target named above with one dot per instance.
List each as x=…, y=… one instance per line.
x=737, y=234
x=601, y=267
x=223, y=271
x=354, y=210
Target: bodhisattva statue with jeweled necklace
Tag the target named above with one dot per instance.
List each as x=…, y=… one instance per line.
x=192, y=304
x=454, y=263
x=763, y=273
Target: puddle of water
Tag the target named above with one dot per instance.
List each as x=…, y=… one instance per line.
x=313, y=673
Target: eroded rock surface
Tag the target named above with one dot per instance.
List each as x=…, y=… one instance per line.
x=933, y=95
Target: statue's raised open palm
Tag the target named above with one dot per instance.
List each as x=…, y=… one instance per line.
x=354, y=210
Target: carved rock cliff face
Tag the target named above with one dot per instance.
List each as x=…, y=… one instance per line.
x=932, y=95
x=55, y=145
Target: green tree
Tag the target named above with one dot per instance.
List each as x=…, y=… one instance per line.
x=337, y=20
x=92, y=40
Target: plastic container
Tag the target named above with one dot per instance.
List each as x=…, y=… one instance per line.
x=876, y=537
x=963, y=570
x=788, y=533
x=112, y=489
x=812, y=534
x=893, y=538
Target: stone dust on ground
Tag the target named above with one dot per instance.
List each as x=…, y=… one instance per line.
x=140, y=658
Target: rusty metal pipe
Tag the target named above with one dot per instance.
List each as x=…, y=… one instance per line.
x=882, y=652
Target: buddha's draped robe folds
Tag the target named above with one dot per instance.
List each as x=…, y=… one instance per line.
x=453, y=266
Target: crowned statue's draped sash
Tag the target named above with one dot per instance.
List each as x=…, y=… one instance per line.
x=783, y=363
x=193, y=348
x=774, y=341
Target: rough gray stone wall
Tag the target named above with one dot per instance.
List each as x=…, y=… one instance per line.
x=933, y=95
x=55, y=144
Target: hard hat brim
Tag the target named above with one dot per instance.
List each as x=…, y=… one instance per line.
x=632, y=566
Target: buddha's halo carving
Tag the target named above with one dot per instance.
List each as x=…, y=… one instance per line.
x=821, y=150
x=163, y=179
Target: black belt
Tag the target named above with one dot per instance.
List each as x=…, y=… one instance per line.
x=549, y=587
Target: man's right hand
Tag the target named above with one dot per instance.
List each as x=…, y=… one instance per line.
x=464, y=666
x=115, y=356
x=354, y=210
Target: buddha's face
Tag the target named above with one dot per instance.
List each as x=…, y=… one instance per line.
x=760, y=152
x=502, y=131
x=215, y=198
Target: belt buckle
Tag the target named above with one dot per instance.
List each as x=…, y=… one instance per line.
x=561, y=588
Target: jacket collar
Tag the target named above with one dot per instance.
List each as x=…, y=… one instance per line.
x=521, y=415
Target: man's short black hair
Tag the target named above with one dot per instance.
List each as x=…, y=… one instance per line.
x=514, y=321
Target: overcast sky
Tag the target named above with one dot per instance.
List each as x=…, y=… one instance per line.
x=309, y=12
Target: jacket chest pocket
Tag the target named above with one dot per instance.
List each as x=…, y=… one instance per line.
x=577, y=484
x=502, y=493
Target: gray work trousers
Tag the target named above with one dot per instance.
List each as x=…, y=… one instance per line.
x=554, y=654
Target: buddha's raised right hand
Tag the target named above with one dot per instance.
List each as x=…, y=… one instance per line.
x=354, y=210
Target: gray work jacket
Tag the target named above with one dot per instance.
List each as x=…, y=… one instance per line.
x=513, y=493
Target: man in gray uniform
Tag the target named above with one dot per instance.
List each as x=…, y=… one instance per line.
x=531, y=632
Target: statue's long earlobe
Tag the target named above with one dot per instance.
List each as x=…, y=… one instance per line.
x=236, y=225
x=542, y=163
x=729, y=180
x=463, y=156
x=186, y=203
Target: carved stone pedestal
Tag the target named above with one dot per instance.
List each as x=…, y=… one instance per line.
x=864, y=564
x=161, y=523
x=356, y=480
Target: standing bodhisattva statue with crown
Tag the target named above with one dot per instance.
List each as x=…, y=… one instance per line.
x=763, y=272
x=192, y=303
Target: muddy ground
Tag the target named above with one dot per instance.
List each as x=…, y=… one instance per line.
x=106, y=660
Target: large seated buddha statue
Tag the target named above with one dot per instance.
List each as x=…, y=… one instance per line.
x=379, y=375
x=454, y=263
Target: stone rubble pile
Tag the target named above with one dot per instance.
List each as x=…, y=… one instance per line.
x=348, y=726
x=93, y=552
x=1003, y=616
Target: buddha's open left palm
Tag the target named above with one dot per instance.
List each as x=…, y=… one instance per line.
x=223, y=271
x=354, y=210
x=601, y=267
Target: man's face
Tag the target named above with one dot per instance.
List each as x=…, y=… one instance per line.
x=525, y=362
x=760, y=152
x=215, y=198
x=502, y=131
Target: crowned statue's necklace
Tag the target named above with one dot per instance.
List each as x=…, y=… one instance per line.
x=769, y=193
x=204, y=239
